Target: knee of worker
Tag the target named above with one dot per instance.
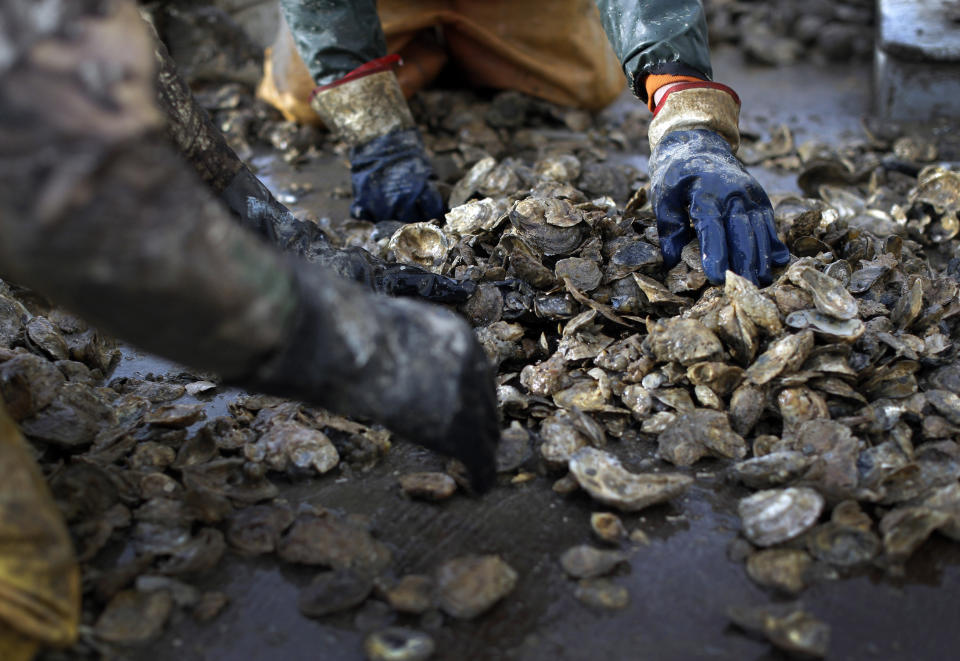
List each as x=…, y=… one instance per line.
x=287, y=84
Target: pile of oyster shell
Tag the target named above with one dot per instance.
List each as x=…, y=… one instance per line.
x=831, y=395
x=833, y=392
x=140, y=474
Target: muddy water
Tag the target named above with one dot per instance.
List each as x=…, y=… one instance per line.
x=680, y=584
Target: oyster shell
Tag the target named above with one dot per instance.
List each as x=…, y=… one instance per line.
x=781, y=569
x=829, y=295
x=721, y=378
x=476, y=216
x=420, y=244
x=761, y=310
x=549, y=225
x=841, y=545
x=608, y=527
x=787, y=626
x=602, y=476
x=334, y=591
x=583, y=273
x=684, y=341
x=464, y=189
x=788, y=352
x=585, y=561
x=413, y=593
x=849, y=330
x=471, y=585
x=290, y=444
x=906, y=528
x=771, y=470
x=602, y=593
x=328, y=541
x=561, y=168
x=134, y=618
x=398, y=644
x=427, y=485
x=777, y=515
x=698, y=433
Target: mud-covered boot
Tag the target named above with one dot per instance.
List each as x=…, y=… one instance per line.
x=417, y=369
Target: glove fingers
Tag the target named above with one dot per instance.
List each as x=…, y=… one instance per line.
x=764, y=273
x=673, y=229
x=706, y=217
x=431, y=203
x=742, y=244
x=779, y=253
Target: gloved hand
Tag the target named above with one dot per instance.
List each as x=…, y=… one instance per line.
x=391, y=179
x=417, y=369
x=698, y=185
x=389, y=167
x=696, y=180
x=258, y=210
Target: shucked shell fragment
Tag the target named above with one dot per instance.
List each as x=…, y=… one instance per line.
x=788, y=352
x=698, y=433
x=471, y=182
x=846, y=330
x=829, y=295
x=684, y=341
x=777, y=515
x=786, y=626
x=938, y=187
x=549, y=225
x=421, y=244
x=602, y=476
x=476, y=216
x=761, y=310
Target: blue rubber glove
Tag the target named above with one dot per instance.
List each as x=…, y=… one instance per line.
x=697, y=184
x=391, y=179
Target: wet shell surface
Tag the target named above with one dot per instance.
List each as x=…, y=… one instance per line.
x=585, y=561
x=551, y=225
x=470, y=585
x=777, y=515
x=398, y=644
x=476, y=216
x=698, y=433
x=421, y=244
x=602, y=476
x=786, y=626
x=829, y=296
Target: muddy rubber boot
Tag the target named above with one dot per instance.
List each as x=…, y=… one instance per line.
x=39, y=577
x=417, y=369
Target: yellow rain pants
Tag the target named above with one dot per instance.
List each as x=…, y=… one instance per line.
x=557, y=51
x=39, y=576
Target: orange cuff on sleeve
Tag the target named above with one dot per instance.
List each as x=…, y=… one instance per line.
x=654, y=82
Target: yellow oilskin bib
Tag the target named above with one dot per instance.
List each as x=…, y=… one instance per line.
x=39, y=576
